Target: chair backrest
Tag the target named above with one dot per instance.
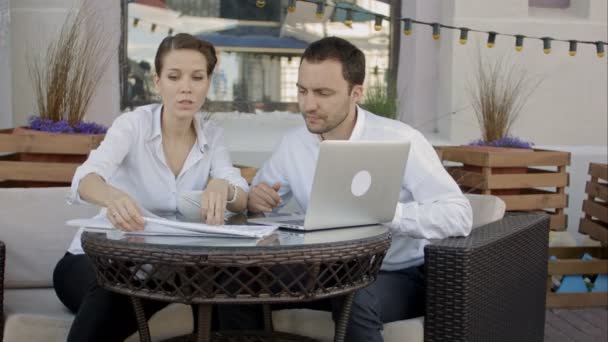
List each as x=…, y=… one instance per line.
x=486, y=209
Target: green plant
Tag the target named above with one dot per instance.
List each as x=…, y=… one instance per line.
x=378, y=101
x=498, y=92
x=66, y=76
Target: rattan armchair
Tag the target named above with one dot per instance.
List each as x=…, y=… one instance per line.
x=491, y=285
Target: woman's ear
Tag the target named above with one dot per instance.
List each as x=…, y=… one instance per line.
x=156, y=81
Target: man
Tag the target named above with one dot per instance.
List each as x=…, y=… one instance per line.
x=431, y=206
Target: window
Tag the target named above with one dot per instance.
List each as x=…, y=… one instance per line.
x=258, y=48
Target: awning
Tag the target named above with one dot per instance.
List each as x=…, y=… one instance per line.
x=262, y=39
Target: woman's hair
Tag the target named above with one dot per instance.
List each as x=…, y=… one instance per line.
x=185, y=41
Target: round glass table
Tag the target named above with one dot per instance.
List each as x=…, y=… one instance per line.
x=284, y=267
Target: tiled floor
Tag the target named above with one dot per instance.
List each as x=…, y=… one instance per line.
x=576, y=325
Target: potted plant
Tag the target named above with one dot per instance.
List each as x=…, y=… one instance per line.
x=64, y=77
x=499, y=163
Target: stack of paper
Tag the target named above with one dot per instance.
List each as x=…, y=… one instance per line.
x=161, y=226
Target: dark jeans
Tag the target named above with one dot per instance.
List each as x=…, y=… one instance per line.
x=392, y=297
x=101, y=315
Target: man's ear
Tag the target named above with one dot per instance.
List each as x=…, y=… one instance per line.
x=357, y=93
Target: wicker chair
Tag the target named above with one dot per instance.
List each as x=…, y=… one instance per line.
x=489, y=286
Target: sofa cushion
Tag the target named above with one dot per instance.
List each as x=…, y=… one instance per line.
x=36, y=315
x=32, y=226
x=319, y=325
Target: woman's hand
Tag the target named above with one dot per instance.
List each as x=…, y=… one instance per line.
x=124, y=213
x=213, y=201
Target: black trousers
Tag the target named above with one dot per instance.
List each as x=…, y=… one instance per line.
x=394, y=296
x=101, y=315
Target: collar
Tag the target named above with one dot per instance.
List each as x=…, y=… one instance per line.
x=201, y=141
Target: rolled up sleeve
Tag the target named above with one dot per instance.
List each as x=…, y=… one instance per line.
x=105, y=160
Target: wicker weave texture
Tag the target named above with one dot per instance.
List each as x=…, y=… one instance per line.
x=489, y=286
x=235, y=275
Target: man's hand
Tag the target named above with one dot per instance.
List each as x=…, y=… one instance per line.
x=213, y=201
x=124, y=213
x=263, y=197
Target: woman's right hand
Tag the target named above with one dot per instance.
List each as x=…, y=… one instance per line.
x=124, y=213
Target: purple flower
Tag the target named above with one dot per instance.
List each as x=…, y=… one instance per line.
x=507, y=141
x=46, y=125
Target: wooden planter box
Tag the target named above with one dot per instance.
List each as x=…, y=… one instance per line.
x=595, y=207
x=569, y=263
x=42, y=159
x=512, y=175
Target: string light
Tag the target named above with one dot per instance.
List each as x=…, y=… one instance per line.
x=153, y=27
x=291, y=6
x=547, y=45
x=436, y=31
x=407, y=26
x=519, y=42
x=320, y=13
x=170, y=31
x=572, y=49
x=491, y=39
x=600, y=49
x=135, y=22
x=464, y=35
x=378, y=23
x=349, y=17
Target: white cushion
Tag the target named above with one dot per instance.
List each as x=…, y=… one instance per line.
x=33, y=229
x=36, y=315
x=319, y=325
x=486, y=209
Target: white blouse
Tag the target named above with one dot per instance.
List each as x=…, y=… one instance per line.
x=131, y=158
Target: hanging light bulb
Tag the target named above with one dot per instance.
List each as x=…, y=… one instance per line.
x=519, y=42
x=436, y=31
x=600, y=49
x=349, y=17
x=407, y=26
x=260, y=3
x=153, y=27
x=135, y=22
x=291, y=6
x=464, y=35
x=491, y=39
x=378, y=23
x=572, y=49
x=170, y=31
x=547, y=45
x=320, y=13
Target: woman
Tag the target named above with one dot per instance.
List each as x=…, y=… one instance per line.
x=150, y=160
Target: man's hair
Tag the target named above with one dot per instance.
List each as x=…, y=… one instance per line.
x=350, y=57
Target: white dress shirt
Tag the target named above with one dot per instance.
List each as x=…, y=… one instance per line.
x=431, y=206
x=131, y=158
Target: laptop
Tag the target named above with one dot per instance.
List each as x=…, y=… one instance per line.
x=356, y=183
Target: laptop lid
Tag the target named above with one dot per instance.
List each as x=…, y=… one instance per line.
x=356, y=183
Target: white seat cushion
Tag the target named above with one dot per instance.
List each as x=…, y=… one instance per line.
x=486, y=209
x=36, y=315
x=319, y=325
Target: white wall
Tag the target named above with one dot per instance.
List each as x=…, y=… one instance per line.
x=33, y=24
x=570, y=105
x=568, y=108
